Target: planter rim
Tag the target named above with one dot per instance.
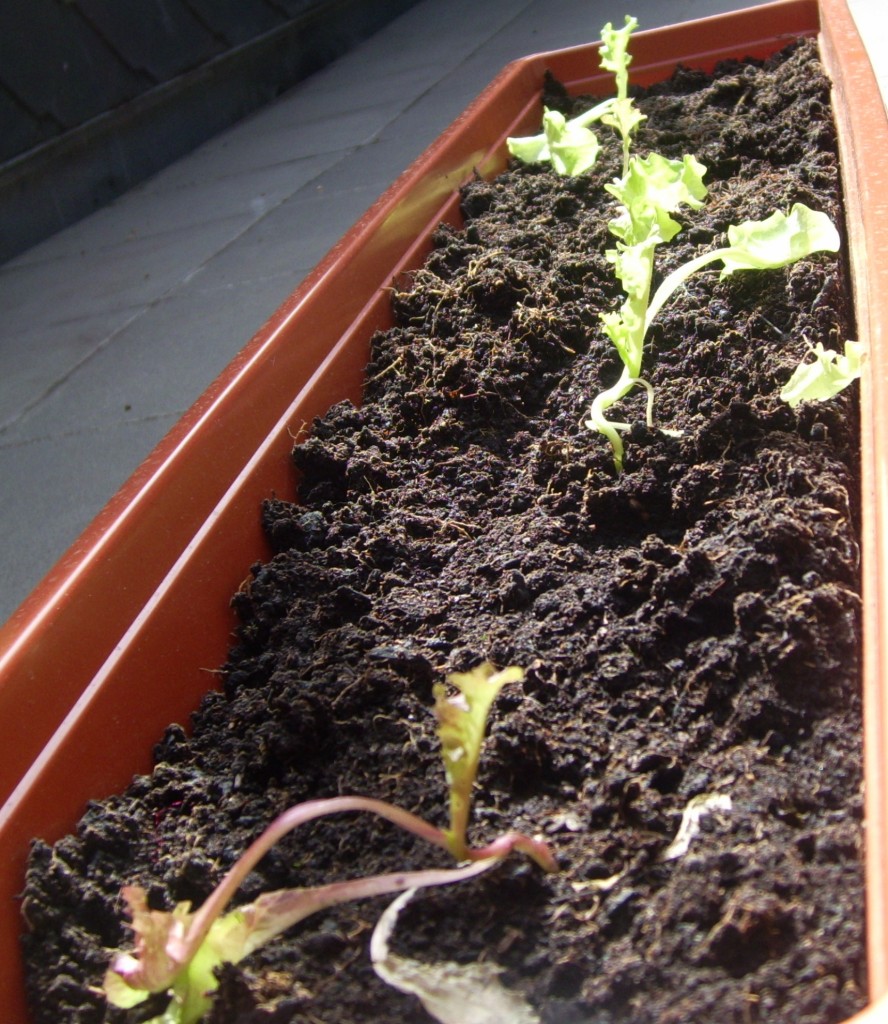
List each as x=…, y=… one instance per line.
x=180, y=504
x=863, y=148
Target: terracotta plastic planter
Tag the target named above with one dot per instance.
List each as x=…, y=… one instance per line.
x=116, y=642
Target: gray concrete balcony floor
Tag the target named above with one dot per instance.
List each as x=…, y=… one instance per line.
x=110, y=329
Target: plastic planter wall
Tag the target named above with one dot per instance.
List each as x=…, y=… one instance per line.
x=115, y=643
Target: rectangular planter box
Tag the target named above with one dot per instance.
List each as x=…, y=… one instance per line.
x=116, y=642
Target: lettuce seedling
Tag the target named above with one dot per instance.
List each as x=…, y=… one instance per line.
x=829, y=374
x=570, y=145
x=768, y=244
x=461, y=723
x=653, y=188
x=179, y=951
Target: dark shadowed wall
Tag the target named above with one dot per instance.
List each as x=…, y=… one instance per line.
x=97, y=95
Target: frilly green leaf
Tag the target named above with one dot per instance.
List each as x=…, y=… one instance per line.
x=654, y=187
x=778, y=240
x=569, y=145
x=614, y=54
x=829, y=374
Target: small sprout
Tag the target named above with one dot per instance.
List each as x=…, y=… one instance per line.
x=179, y=951
x=648, y=199
x=570, y=145
x=829, y=374
x=462, y=720
x=697, y=808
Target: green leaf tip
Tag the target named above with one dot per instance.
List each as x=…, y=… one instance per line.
x=830, y=373
x=614, y=54
x=462, y=721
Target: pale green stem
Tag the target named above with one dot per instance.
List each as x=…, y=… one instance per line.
x=611, y=428
x=673, y=281
x=593, y=114
x=632, y=356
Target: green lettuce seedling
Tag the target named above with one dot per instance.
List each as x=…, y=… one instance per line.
x=829, y=374
x=570, y=145
x=461, y=723
x=775, y=242
x=653, y=188
x=179, y=951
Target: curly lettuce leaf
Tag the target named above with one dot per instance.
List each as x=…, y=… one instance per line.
x=653, y=188
x=829, y=374
x=570, y=146
x=778, y=240
x=766, y=244
x=614, y=54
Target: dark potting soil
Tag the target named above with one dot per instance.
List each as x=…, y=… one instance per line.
x=687, y=628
